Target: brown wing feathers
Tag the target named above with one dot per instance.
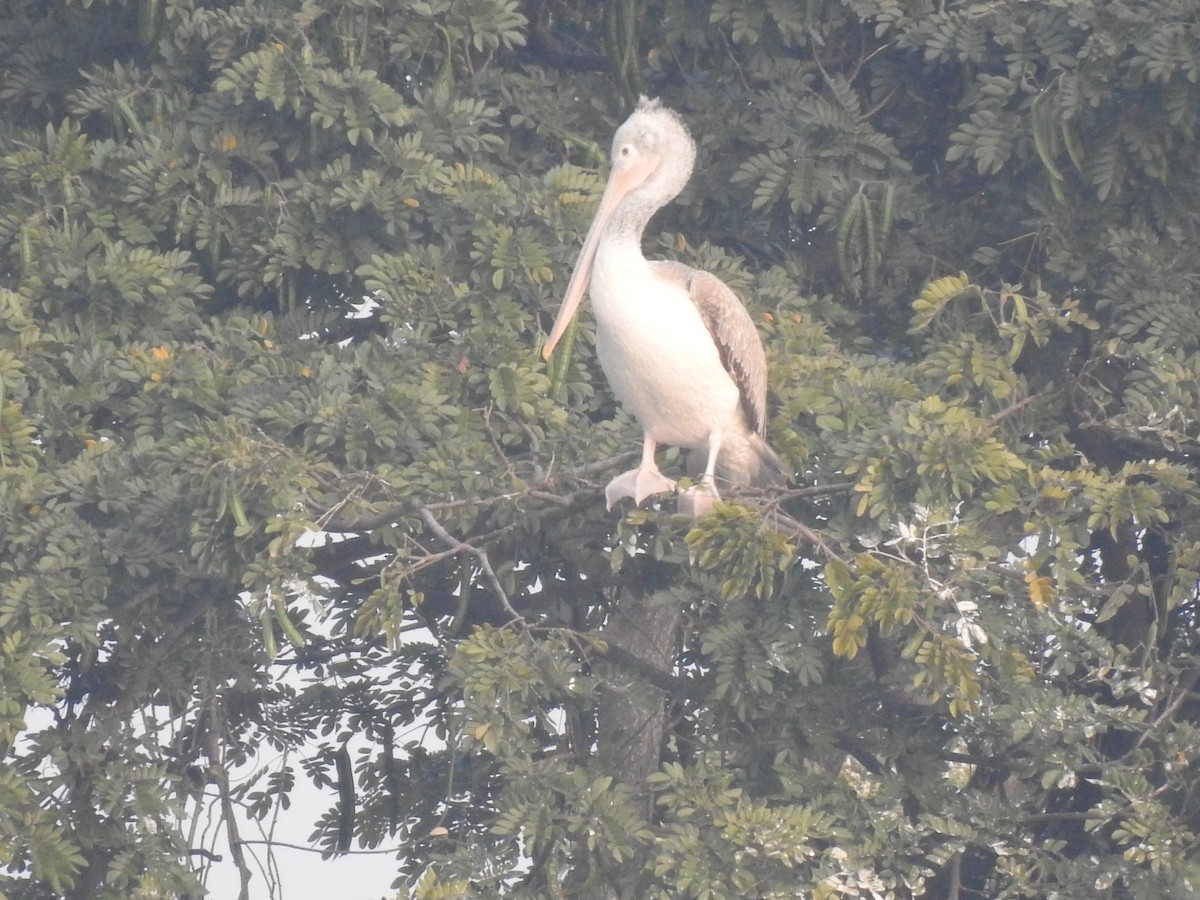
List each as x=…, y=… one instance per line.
x=734, y=334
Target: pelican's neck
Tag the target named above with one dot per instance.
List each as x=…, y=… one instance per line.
x=620, y=265
x=628, y=223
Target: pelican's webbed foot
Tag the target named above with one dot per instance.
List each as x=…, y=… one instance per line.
x=638, y=484
x=698, y=499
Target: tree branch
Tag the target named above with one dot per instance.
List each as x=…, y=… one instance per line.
x=228, y=811
x=329, y=519
x=781, y=522
x=480, y=554
x=648, y=671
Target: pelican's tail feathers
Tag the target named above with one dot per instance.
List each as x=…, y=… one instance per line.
x=767, y=470
x=746, y=460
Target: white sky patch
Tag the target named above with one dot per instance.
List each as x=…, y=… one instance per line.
x=284, y=861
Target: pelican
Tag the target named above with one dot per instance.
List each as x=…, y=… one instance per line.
x=678, y=347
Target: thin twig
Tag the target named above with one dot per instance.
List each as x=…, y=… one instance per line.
x=479, y=553
x=272, y=843
x=1168, y=712
x=326, y=517
x=816, y=490
x=781, y=522
x=541, y=489
x=221, y=775
x=1012, y=408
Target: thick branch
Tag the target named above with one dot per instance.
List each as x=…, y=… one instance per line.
x=653, y=674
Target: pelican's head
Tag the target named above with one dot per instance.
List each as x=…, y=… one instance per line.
x=652, y=159
x=652, y=154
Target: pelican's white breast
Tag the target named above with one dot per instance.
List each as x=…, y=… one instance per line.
x=658, y=355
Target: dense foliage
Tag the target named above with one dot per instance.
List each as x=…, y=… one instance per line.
x=287, y=494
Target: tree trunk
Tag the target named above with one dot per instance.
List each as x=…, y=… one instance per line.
x=642, y=631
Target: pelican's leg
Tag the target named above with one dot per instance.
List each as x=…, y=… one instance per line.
x=698, y=499
x=641, y=482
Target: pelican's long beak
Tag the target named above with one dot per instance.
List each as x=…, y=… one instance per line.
x=624, y=178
